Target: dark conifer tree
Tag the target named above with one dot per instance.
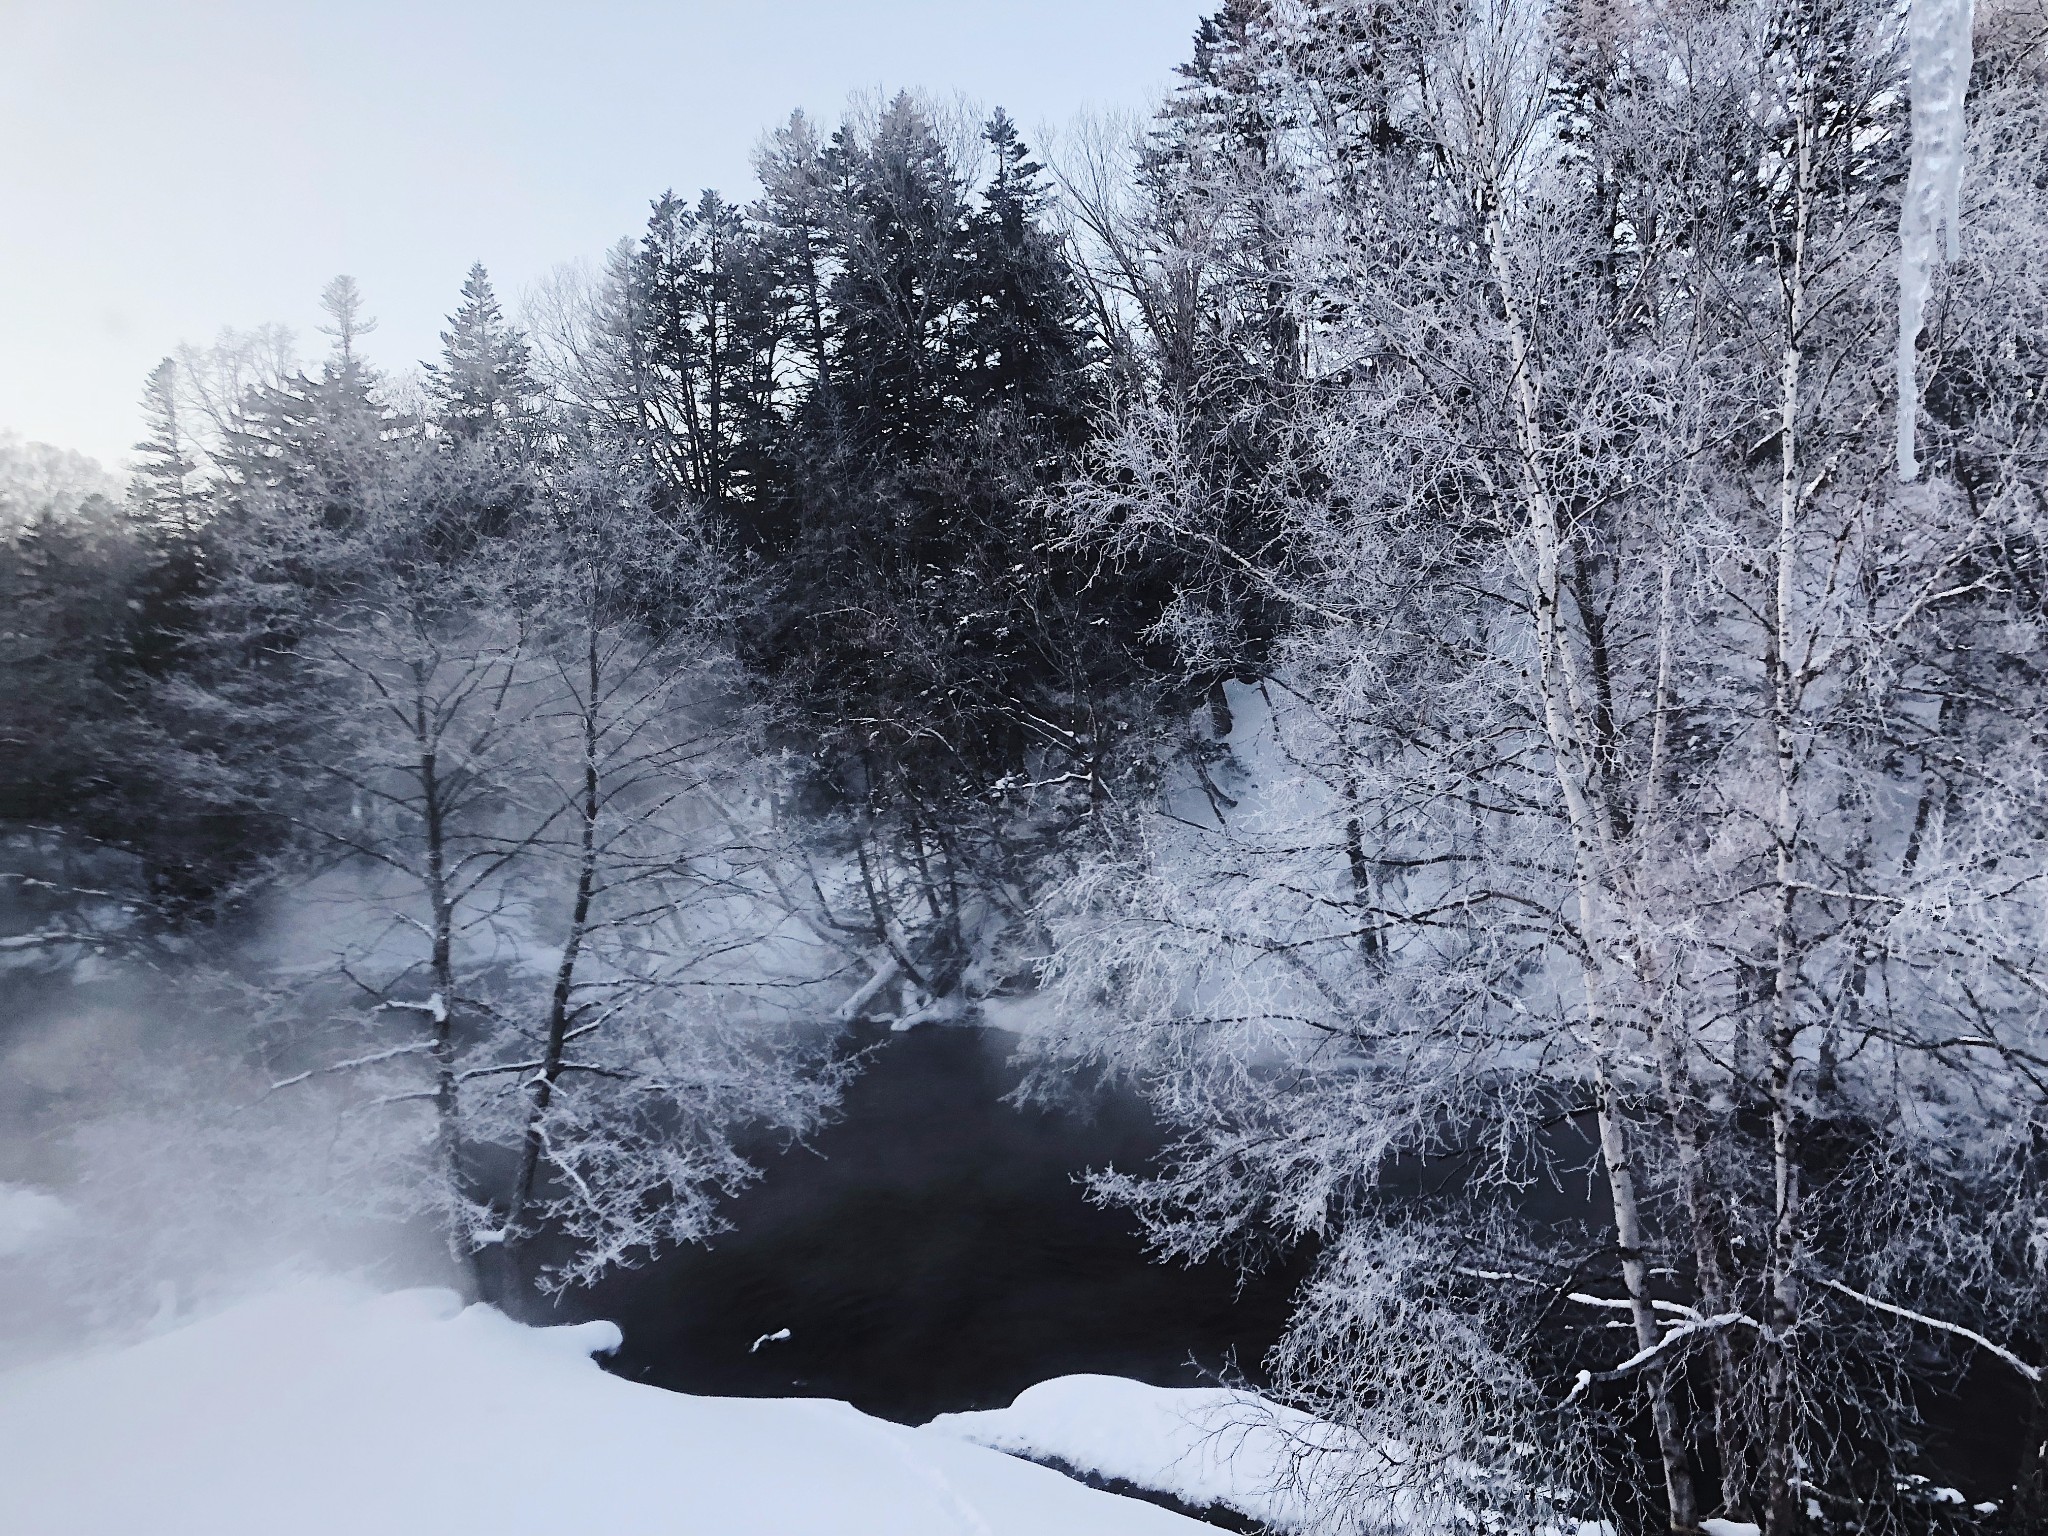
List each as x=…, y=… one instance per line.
x=316, y=441
x=793, y=223
x=899, y=294
x=65, y=584
x=1028, y=335
x=166, y=508
x=709, y=339
x=929, y=637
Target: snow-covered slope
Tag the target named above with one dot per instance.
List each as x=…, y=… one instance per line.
x=325, y=1409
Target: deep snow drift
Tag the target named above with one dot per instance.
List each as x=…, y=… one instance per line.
x=324, y=1408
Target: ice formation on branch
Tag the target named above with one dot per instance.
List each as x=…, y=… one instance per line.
x=1938, y=75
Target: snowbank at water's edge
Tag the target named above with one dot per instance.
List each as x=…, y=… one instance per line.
x=325, y=1409
x=1220, y=1448
x=1205, y=1446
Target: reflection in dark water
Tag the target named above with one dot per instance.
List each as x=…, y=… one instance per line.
x=931, y=1252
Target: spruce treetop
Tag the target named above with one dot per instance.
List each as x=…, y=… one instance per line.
x=484, y=381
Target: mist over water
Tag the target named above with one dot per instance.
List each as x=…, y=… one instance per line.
x=931, y=1249
x=137, y=1094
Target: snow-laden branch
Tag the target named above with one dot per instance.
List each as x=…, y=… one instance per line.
x=51, y=937
x=371, y=1060
x=2031, y=1372
x=1583, y=1298
x=27, y=882
x=1623, y=1304
x=435, y=1008
x=1652, y=1352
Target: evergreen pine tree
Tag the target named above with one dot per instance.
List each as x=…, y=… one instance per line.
x=164, y=490
x=1027, y=334
x=483, y=387
x=318, y=441
x=343, y=302
x=793, y=223
x=710, y=329
x=898, y=294
x=352, y=419
x=921, y=619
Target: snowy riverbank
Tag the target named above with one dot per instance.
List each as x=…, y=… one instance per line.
x=325, y=1408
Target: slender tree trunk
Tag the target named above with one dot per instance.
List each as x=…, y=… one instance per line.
x=714, y=402
x=1782, y=670
x=1671, y=1037
x=561, y=997
x=441, y=964
x=884, y=921
x=1711, y=1266
x=814, y=311
x=1580, y=782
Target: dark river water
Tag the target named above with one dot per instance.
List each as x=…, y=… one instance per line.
x=931, y=1251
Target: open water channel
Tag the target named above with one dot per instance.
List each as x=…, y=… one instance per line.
x=932, y=1250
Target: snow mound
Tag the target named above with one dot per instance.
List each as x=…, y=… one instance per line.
x=1206, y=1446
x=1212, y=1447
x=327, y=1410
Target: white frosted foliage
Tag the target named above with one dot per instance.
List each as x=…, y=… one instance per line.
x=1938, y=76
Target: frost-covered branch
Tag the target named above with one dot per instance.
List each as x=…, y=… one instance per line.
x=1682, y=1334
x=2031, y=1372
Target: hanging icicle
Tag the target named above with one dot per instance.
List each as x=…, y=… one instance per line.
x=1938, y=75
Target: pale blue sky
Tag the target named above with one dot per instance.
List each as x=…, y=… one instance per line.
x=171, y=166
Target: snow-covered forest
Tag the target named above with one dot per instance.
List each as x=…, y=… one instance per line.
x=1463, y=610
